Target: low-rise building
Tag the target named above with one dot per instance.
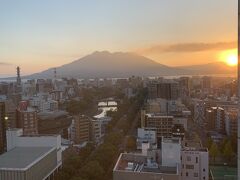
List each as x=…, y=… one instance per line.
x=150, y=164
x=146, y=135
x=30, y=158
x=162, y=123
x=194, y=163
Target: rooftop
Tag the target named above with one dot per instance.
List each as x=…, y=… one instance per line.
x=51, y=115
x=154, y=115
x=22, y=157
x=138, y=163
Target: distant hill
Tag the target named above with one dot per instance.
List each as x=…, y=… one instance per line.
x=211, y=68
x=105, y=64
x=116, y=65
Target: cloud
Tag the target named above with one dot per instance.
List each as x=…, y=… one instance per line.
x=5, y=64
x=188, y=47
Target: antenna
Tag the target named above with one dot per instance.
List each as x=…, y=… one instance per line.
x=55, y=73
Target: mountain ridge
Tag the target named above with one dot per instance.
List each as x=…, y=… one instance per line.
x=103, y=64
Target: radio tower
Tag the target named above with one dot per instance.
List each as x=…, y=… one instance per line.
x=18, y=76
x=55, y=79
x=55, y=73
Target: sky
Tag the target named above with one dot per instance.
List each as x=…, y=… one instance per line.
x=37, y=35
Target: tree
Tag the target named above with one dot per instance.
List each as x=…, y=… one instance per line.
x=92, y=171
x=131, y=143
x=228, y=151
x=209, y=142
x=214, y=151
x=223, y=144
x=77, y=178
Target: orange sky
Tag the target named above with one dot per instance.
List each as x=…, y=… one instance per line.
x=173, y=33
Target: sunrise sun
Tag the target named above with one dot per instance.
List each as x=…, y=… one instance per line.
x=229, y=57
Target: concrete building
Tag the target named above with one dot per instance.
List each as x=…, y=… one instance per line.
x=150, y=164
x=49, y=105
x=54, y=122
x=206, y=82
x=231, y=117
x=30, y=158
x=184, y=84
x=215, y=118
x=11, y=114
x=199, y=112
x=2, y=128
x=145, y=135
x=27, y=119
x=165, y=89
x=81, y=130
x=171, y=152
x=99, y=128
x=194, y=164
x=163, y=124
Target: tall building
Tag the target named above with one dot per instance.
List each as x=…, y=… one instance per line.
x=81, y=129
x=19, y=82
x=27, y=119
x=184, y=84
x=206, y=82
x=215, y=118
x=165, y=89
x=18, y=76
x=2, y=128
x=231, y=122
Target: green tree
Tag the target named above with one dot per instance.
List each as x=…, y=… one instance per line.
x=209, y=142
x=92, y=171
x=131, y=143
x=214, y=152
x=228, y=151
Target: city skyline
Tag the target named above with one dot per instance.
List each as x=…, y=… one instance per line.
x=67, y=31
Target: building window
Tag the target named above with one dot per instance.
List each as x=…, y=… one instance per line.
x=196, y=159
x=188, y=158
x=195, y=174
x=186, y=173
x=204, y=170
x=189, y=166
x=204, y=177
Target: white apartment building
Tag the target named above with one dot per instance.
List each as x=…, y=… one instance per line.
x=145, y=135
x=194, y=164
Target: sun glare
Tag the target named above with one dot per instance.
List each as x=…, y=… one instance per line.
x=229, y=57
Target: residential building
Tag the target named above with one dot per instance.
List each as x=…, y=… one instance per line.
x=194, y=163
x=81, y=129
x=231, y=117
x=27, y=119
x=2, y=128
x=165, y=89
x=215, y=118
x=162, y=123
x=54, y=122
x=145, y=135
